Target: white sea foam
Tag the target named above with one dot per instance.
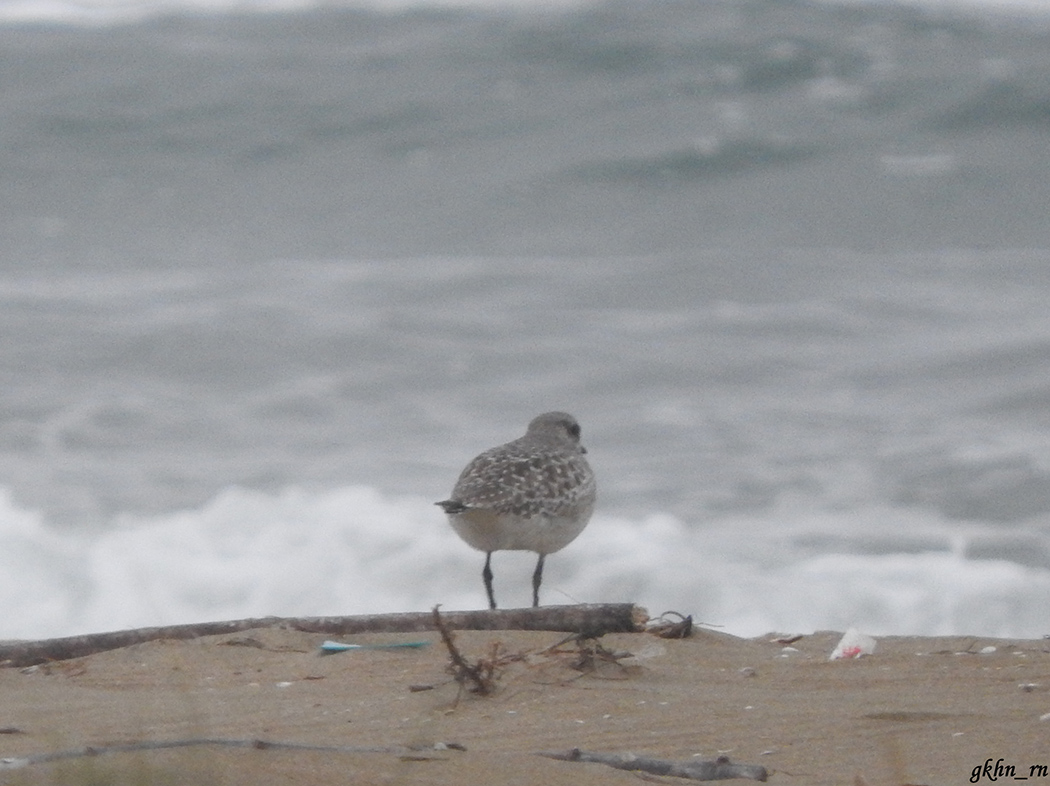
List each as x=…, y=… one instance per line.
x=351, y=550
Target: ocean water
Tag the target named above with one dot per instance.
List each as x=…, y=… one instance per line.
x=270, y=276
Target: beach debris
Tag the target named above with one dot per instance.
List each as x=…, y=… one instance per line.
x=907, y=716
x=244, y=641
x=596, y=619
x=785, y=638
x=13, y=763
x=853, y=644
x=1028, y=687
x=587, y=656
x=648, y=652
x=591, y=658
x=332, y=647
x=748, y=671
x=72, y=668
x=449, y=746
x=480, y=677
x=717, y=769
x=969, y=649
x=681, y=628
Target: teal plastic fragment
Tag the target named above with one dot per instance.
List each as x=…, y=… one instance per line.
x=332, y=647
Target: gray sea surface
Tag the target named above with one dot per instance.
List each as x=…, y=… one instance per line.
x=788, y=263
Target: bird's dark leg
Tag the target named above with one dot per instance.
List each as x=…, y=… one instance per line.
x=486, y=574
x=537, y=577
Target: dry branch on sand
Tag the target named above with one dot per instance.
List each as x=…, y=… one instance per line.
x=17, y=762
x=718, y=769
x=590, y=619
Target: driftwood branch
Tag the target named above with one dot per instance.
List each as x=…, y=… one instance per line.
x=715, y=770
x=97, y=750
x=587, y=619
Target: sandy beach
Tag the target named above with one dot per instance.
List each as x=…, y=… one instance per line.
x=917, y=711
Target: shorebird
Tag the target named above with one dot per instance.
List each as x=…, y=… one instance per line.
x=533, y=494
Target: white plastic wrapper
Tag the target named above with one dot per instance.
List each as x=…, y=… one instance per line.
x=853, y=644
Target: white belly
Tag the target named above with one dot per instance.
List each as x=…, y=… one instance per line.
x=486, y=530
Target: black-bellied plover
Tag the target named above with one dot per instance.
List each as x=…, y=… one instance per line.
x=533, y=494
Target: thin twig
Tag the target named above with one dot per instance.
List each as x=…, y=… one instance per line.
x=462, y=669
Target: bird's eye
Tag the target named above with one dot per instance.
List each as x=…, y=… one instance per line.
x=574, y=430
